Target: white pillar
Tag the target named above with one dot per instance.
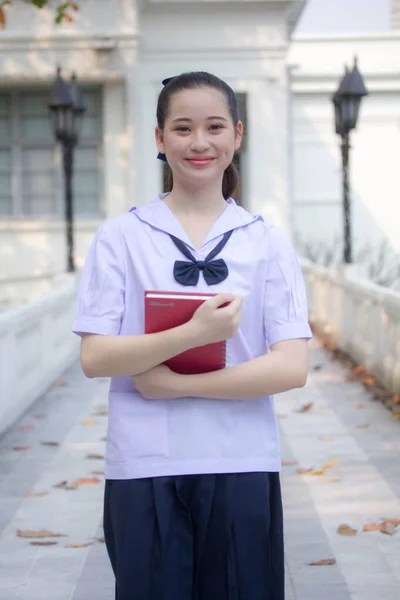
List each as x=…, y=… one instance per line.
x=267, y=176
x=115, y=149
x=128, y=51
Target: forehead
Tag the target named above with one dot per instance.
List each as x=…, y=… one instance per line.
x=199, y=102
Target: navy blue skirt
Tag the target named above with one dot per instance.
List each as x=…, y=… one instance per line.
x=196, y=537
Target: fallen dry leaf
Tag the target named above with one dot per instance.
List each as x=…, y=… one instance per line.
x=394, y=521
x=344, y=529
x=396, y=399
x=388, y=528
x=330, y=465
x=36, y=494
x=359, y=370
x=87, y=481
x=43, y=543
x=288, y=463
x=302, y=471
x=50, y=443
x=79, y=545
x=95, y=455
x=323, y=562
x=21, y=448
x=304, y=408
x=88, y=422
x=368, y=380
x=100, y=539
x=25, y=427
x=101, y=413
x=359, y=405
x=372, y=527
x=42, y=533
x=60, y=383
x=397, y=417
x=64, y=485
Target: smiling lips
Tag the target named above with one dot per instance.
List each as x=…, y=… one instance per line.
x=200, y=161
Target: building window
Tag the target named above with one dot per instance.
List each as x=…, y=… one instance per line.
x=31, y=183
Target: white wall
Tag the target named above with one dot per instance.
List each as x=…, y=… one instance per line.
x=317, y=65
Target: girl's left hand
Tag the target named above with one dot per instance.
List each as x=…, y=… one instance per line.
x=157, y=383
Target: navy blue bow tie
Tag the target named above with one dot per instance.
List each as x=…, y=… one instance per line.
x=214, y=271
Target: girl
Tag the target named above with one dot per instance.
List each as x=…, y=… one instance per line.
x=192, y=500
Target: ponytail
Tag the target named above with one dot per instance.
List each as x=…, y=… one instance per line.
x=230, y=182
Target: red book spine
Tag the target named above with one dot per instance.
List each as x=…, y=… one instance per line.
x=162, y=313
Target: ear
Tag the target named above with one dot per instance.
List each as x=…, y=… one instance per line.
x=238, y=135
x=160, y=140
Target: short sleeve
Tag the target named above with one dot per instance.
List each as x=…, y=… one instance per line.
x=285, y=302
x=101, y=294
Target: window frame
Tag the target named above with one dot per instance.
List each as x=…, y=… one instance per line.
x=16, y=145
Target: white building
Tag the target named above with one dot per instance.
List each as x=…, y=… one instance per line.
x=120, y=51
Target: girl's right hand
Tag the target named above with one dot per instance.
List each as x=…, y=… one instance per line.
x=213, y=322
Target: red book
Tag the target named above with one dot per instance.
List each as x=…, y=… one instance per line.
x=166, y=310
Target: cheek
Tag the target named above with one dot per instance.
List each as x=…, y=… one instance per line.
x=175, y=146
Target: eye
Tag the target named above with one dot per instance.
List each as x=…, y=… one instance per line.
x=182, y=128
x=215, y=127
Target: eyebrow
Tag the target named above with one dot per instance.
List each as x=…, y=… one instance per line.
x=186, y=120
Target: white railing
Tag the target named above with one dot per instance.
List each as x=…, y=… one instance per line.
x=36, y=345
x=363, y=317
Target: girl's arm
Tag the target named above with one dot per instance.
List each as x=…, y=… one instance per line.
x=129, y=355
x=125, y=355
x=284, y=368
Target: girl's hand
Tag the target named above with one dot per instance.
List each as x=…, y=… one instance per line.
x=213, y=322
x=158, y=383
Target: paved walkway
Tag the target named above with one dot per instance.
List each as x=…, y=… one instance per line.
x=343, y=428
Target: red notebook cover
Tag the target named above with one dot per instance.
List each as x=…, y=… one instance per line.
x=165, y=310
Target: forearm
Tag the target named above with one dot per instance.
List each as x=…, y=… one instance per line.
x=263, y=376
x=128, y=355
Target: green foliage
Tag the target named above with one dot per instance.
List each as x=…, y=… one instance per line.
x=37, y=3
x=62, y=11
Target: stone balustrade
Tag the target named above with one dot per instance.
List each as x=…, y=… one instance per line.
x=364, y=319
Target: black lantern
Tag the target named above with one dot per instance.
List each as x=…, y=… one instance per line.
x=66, y=110
x=346, y=101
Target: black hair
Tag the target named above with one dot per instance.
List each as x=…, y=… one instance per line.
x=188, y=81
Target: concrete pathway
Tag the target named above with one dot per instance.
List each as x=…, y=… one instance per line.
x=61, y=439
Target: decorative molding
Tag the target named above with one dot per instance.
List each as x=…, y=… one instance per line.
x=384, y=36
x=231, y=54
x=69, y=42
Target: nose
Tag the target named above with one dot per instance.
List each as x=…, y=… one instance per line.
x=199, y=142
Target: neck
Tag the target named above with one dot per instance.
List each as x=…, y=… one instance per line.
x=203, y=200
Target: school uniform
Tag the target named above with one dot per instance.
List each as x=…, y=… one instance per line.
x=192, y=504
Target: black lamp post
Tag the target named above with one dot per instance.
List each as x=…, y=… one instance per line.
x=347, y=100
x=66, y=110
